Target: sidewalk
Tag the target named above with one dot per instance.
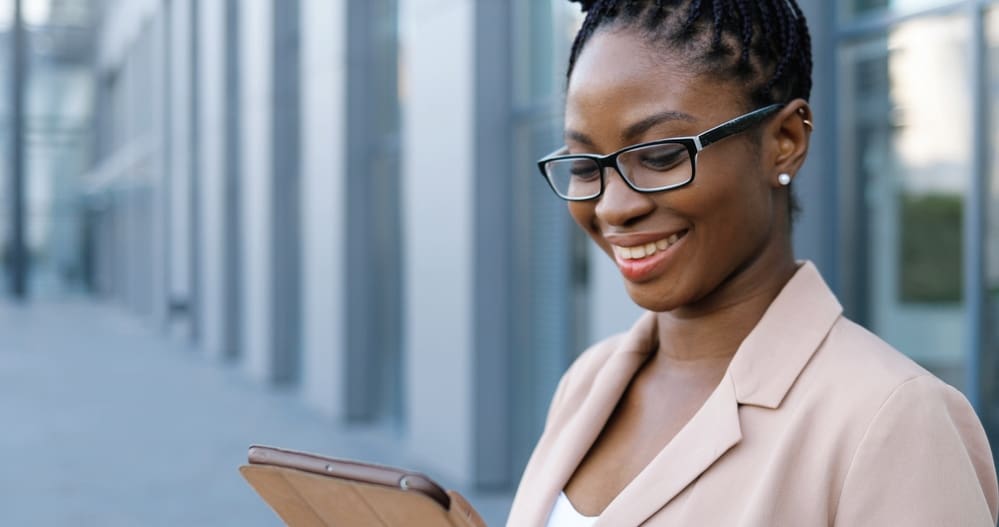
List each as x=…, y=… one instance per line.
x=104, y=423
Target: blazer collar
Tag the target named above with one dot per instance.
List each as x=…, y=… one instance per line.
x=772, y=356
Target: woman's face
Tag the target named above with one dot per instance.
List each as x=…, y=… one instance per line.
x=727, y=223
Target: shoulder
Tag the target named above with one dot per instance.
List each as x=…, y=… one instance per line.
x=862, y=382
x=925, y=443
x=851, y=341
x=907, y=430
x=860, y=368
x=591, y=360
x=577, y=380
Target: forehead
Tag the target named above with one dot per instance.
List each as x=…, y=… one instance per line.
x=620, y=79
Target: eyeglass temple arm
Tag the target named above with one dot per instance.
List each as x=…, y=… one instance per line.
x=739, y=124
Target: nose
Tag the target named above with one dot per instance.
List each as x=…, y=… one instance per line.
x=620, y=205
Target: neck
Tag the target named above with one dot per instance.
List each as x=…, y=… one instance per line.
x=708, y=334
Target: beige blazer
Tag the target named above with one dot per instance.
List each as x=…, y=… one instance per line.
x=816, y=422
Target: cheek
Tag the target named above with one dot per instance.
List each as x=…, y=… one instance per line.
x=731, y=181
x=584, y=214
x=734, y=209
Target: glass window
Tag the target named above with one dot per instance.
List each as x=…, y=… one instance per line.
x=58, y=107
x=905, y=140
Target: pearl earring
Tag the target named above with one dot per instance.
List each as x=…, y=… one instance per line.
x=784, y=179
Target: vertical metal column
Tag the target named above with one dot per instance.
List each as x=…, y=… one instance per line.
x=828, y=73
x=362, y=352
x=18, y=249
x=494, y=280
x=976, y=208
x=166, y=148
x=285, y=176
x=194, y=305
x=233, y=169
x=375, y=264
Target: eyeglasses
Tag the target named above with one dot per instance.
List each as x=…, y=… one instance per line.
x=655, y=166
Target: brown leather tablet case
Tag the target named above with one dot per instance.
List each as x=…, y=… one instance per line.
x=307, y=490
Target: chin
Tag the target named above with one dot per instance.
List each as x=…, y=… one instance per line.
x=658, y=301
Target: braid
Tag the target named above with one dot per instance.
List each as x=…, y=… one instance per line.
x=764, y=43
x=764, y=9
x=805, y=57
x=717, y=11
x=693, y=13
x=747, y=31
x=786, y=42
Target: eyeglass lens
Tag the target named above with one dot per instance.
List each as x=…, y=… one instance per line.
x=646, y=168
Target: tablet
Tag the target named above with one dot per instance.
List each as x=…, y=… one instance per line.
x=350, y=470
x=308, y=490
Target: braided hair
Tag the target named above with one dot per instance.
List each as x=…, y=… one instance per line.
x=764, y=44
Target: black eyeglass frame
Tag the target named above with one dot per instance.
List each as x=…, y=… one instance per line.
x=694, y=145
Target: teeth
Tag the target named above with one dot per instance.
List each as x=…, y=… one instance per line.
x=642, y=251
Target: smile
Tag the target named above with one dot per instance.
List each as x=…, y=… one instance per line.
x=639, y=252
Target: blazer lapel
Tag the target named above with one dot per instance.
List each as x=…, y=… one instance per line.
x=774, y=353
x=762, y=371
x=712, y=431
x=567, y=449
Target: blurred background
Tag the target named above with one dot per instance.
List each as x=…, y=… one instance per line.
x=318, y=224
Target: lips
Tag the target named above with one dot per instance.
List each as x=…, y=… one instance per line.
x=643, y=260
x=638, y=252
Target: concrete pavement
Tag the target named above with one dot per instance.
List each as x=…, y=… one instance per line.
x=103, y=422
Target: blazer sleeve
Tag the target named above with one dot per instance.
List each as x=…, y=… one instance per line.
x=924, y=461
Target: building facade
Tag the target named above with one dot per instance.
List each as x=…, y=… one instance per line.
x=340, y=196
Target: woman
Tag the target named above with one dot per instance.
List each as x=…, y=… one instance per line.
x=743, y=397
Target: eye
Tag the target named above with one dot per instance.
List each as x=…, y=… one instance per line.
x=662, y=158
x=584, y=169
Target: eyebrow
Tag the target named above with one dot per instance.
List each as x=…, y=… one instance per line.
x=644, y=125
x=635, y=129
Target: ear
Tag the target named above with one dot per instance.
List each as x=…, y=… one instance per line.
x=789, y=134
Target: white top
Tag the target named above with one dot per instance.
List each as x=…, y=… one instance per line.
x=565, y=515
